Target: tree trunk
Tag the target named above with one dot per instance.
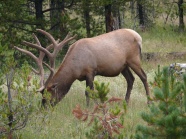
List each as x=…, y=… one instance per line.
x=181, y=21
x=132, y=9
x=140, y=14
x=56, y=16
x=108, y=18
x=9, y=79
x=86, y=11
x=116, y=18
x=39, y=13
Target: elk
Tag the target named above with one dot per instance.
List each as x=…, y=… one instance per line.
x=107, y=55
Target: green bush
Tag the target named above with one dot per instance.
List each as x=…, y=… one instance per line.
x=166, y=116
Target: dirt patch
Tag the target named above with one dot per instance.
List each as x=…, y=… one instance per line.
x=159, y=55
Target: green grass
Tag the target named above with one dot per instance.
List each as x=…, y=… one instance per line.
x=159, y=39
x=59, y=123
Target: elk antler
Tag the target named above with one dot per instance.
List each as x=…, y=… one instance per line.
x=56, y=46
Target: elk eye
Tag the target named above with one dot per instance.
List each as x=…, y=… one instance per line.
x=53, y=87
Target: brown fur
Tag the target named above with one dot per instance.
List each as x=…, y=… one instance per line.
x=107, y=55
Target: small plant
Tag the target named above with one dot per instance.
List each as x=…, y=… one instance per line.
x=106, y=117
x=157, y=79
x=166, y=117
x=17, y=98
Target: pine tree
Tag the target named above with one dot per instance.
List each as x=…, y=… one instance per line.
x=166, y=117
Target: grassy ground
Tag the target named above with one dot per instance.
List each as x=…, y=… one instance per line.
x=59, y=123
x=163, y=40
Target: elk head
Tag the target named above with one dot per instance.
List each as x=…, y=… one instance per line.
x=56, y=46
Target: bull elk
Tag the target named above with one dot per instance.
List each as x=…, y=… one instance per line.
x=107, y=55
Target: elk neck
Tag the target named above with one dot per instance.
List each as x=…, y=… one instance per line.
x=63, y=79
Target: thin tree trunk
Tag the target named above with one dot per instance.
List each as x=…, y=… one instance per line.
x=141, y=15
x=108, y=18
x=119, y=19
x=53, y=16
x=86, y=11
x=132, y=9
x=9, y=78
x=116, y=18
x=40, y=19
x=56, y=16
x=181, y=21
x=39, y=12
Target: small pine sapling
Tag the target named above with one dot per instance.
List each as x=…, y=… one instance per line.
x=166, y=117
x=157, y=79
x=17, y=99
x=106, y=118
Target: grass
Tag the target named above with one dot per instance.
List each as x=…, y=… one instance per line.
x=159, y=39
x=59, y=123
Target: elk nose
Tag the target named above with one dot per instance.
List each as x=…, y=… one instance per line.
x=44, y=102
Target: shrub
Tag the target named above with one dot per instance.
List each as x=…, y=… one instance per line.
x=106, y=119
x=166, y=116
x=17, y=98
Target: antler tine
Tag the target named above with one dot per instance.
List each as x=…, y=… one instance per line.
x=27, y=53
x=35, y=71
x=66, y=40
x=36, y=38
x=51, y=73
x=37, y=47
x=42, y=54
x=62, y=44
x=68, y=36
x=48, y=35
x=47, y=48
x=51, y=46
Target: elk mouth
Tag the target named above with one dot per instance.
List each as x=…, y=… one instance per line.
x=52, y=102
x=44, y=101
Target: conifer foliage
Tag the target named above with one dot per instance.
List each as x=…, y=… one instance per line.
x=106, y=117
x=166, y=117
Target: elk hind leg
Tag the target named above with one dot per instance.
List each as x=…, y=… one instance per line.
x=130, y=80
x=142, y=75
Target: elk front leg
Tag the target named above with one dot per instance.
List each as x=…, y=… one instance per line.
x=130, y=80
x=89, y=83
